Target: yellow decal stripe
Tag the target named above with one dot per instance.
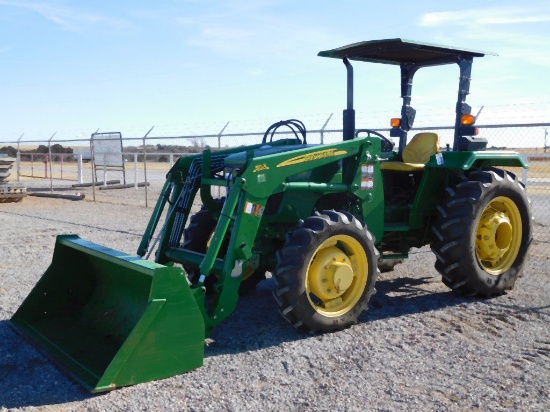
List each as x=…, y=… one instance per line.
x=323, y=154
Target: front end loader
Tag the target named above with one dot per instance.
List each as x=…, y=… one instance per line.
x=320, y=218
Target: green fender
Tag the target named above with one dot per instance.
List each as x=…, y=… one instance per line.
x=478, y=159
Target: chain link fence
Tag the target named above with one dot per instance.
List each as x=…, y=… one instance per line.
x=143, y=174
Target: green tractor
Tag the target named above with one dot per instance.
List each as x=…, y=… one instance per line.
x=320, y=218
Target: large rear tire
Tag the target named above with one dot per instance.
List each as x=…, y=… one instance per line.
x=326, y=273
x=483, y=233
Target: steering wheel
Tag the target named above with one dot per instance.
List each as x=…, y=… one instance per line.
x=387, y=144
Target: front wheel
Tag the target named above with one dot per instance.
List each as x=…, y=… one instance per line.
x=483, y=233
x=326, y=273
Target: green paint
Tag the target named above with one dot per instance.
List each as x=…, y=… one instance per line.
x=110, y=319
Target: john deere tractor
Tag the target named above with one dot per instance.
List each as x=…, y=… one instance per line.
x=320, y=218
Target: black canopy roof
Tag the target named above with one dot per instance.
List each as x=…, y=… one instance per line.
x=401, y=51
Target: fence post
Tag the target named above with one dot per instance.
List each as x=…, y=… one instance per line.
x=79, y=169
x=220, y=136
x=135, y=172
x=323, y=128
x=220, y=148
x=145, y=163
x=524, y=171
x=92, y=157
x=104, y=169
x=18, y=162
x=49, y=158
x=18, y=157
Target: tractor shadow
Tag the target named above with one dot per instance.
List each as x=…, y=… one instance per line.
x=256, y=323
x=27, y=378
x=409, y=295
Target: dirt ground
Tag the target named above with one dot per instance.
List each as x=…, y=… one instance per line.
x=418, y=348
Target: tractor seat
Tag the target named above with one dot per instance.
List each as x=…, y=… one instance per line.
x=416, y=154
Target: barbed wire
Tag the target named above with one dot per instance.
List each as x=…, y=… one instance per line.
x=492, y=114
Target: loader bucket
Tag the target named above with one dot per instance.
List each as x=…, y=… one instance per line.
x=110, y=319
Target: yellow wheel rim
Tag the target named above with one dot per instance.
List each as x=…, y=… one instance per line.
x=337, y=275
x=498, y=235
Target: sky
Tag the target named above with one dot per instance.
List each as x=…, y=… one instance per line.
x=188, y=67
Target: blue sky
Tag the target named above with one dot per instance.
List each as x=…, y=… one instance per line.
x=190, y=66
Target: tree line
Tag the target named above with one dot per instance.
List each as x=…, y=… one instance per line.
x=41, y=152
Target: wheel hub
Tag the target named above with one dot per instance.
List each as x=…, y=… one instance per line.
x=331, y=274
x=494, y=235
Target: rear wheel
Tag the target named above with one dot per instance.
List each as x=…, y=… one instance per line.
x=326, y=273
x=483, y=232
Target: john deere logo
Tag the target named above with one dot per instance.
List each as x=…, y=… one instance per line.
x=260, y=168
x=312, y=156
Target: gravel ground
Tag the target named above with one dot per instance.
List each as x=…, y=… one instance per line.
x=419, y=347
